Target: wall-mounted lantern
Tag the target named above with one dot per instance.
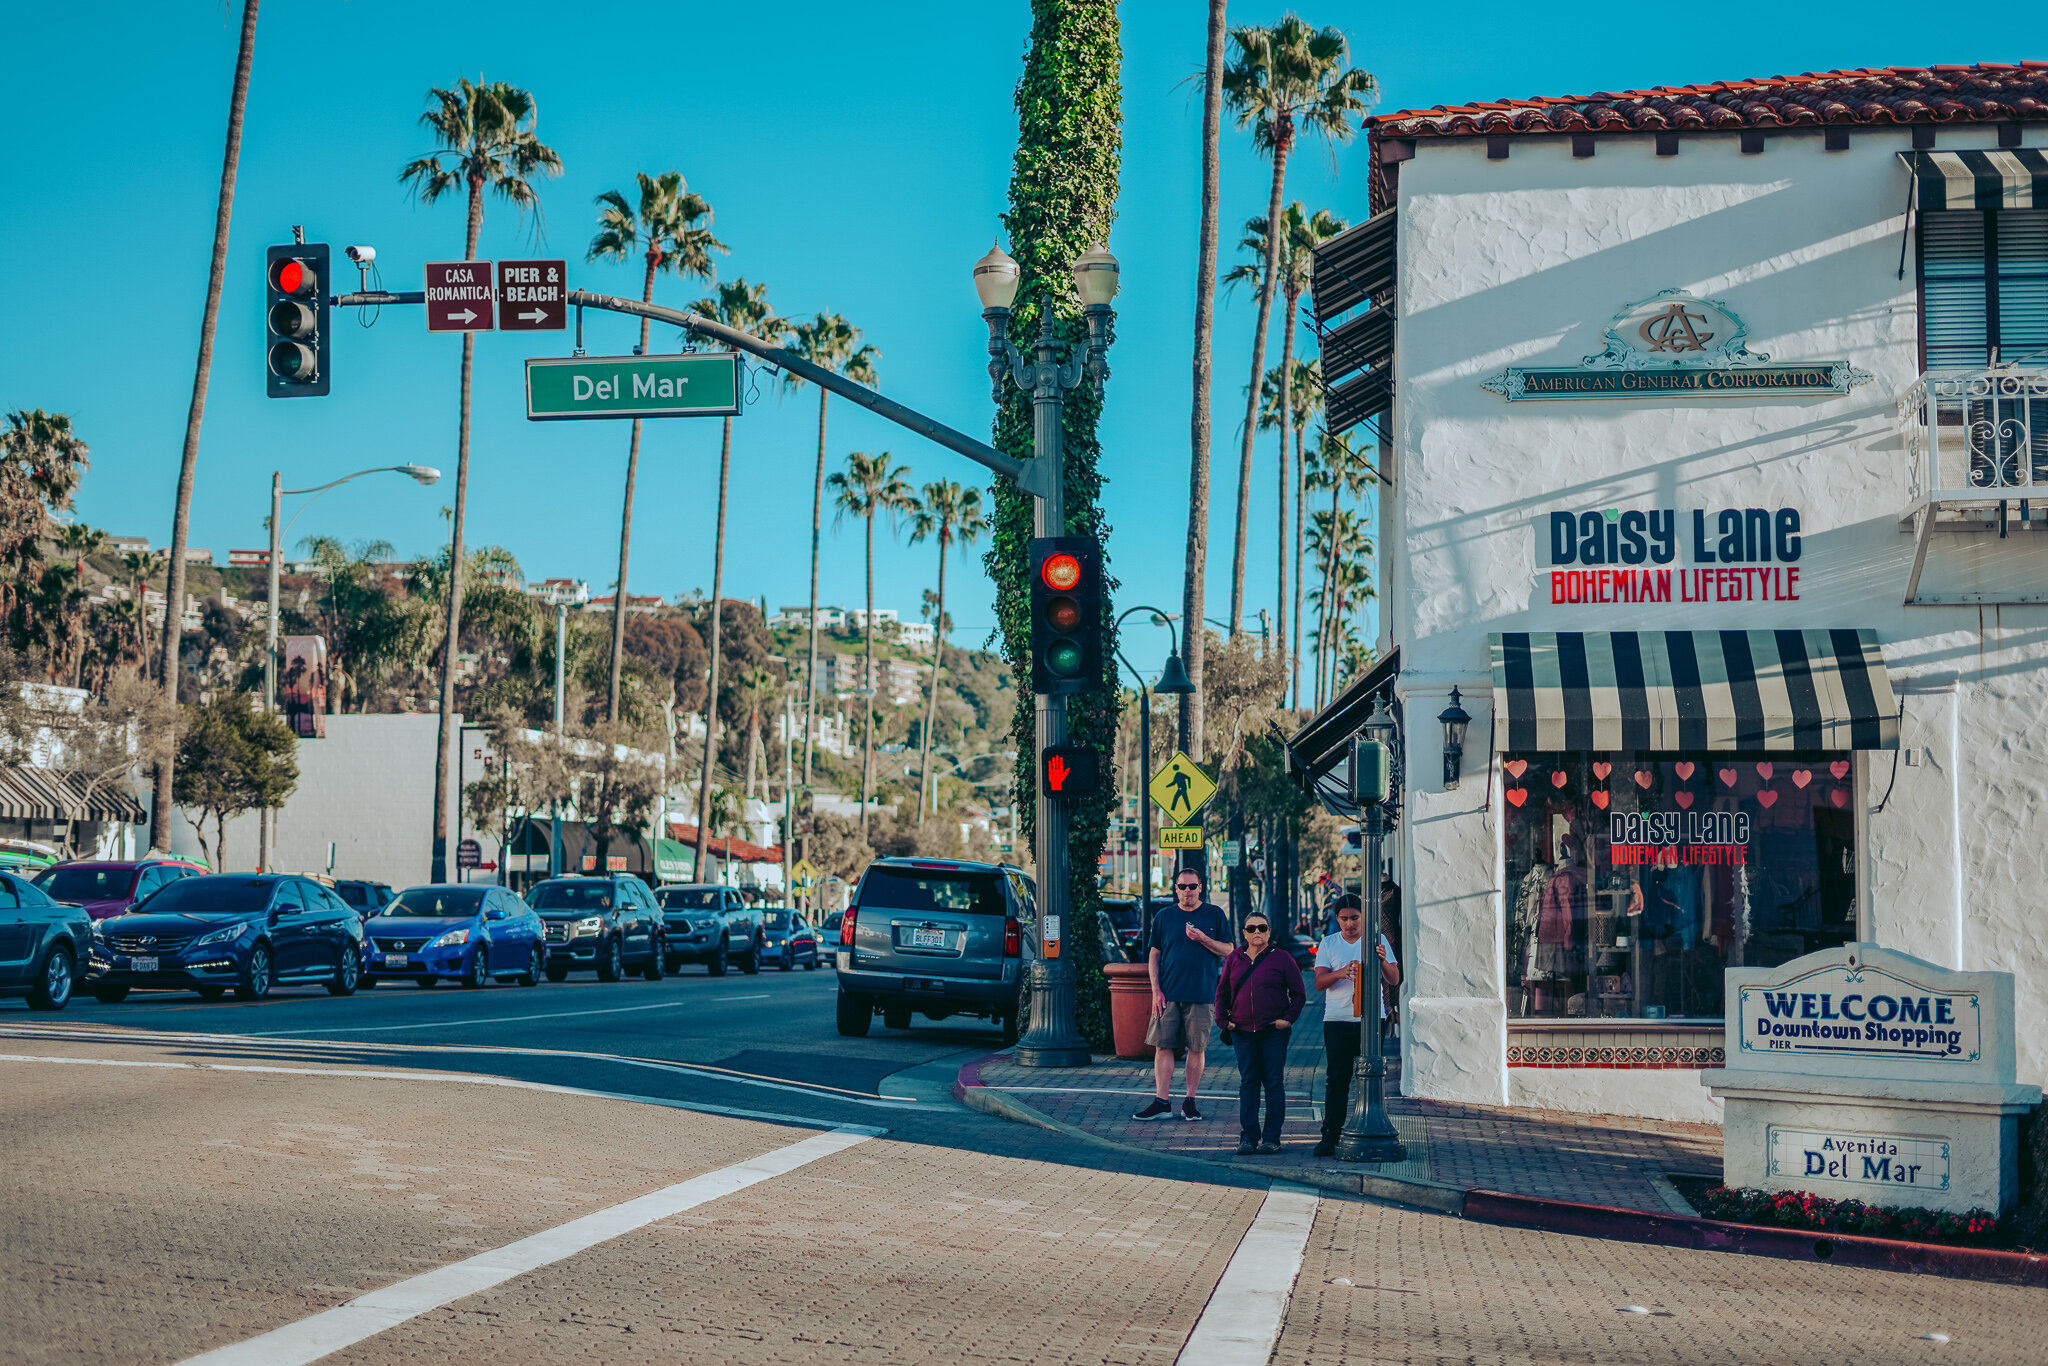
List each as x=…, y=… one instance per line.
x=1456, y=719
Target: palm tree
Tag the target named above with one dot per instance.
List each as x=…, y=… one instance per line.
x=141, y=566
x=744, y=307
x=829, y=342
x=1345, y=544
x=488, y=142
x=672, y=232
x=1287, y=80
x=1196, y=567
x=1305, y=400
x=188, y=464
x=79, y=541
x=868, y=486
x=949, y=513
x=1341, y=469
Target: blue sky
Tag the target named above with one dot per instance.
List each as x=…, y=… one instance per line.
x=856, y=157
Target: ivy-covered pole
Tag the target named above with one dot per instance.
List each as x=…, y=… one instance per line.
x=1063, y=189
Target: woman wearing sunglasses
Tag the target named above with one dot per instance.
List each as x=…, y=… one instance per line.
x=1258, y=999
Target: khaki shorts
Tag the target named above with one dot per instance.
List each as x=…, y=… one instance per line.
x=1184, y=1024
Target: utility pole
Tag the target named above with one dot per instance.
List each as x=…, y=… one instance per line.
x=555, y=822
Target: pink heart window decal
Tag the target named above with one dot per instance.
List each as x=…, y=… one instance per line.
x=1840, y=768
x=1801, y=777
x=1839, y=797
x=1557, y=779
x=1767, y=798
x=1683, y=770
x=1601, y=771
x=1600, y=798
x=1642, y=778
x=1685, y=800
x=1517, y=796
x=1727, y=776
x=1515, y=767
x=1765, y=771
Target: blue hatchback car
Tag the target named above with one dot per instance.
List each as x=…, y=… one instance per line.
x=462, y=931
x=229, y=930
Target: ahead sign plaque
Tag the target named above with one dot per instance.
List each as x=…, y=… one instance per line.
x=459, y=296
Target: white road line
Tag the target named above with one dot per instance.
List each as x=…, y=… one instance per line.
x=466, y=1078
x=312, y=1338
x=1242, y=1320
x=493, y=1019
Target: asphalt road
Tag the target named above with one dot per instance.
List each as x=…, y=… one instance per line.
x=702, y=1170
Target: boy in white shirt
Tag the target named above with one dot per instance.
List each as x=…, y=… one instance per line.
x=1338, y=972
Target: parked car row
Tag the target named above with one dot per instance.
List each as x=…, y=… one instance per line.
x=110, y=929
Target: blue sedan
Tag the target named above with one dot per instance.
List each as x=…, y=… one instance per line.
x=463, y=931
x=229, y=931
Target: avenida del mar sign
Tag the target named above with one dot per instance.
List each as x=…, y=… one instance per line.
x=1676, y=345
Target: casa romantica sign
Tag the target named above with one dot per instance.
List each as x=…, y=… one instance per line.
x=1677, y=345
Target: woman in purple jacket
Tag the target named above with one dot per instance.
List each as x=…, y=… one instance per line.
x=1259, y=997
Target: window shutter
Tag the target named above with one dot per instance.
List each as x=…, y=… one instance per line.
x=1952, y=290
x=2023, y=285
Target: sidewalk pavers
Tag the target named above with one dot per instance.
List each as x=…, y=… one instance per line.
x=1590, y=1159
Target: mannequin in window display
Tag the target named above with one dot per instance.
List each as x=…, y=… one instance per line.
x=1560, y=927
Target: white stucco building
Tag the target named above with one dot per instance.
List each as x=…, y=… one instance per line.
x=1713, y=430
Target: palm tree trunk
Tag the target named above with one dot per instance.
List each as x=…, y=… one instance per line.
x=1197, y=565
x=711, y=696
x=867, y=723
x=817, y=519
x=611, y=707
x=188, y=466
x=1300, y=513
x=451, y=647
x=1286, y=421
x=931, y=704
x=1326, y=640
x=1251, y=404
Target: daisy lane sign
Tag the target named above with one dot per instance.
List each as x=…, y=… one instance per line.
x=693, y=384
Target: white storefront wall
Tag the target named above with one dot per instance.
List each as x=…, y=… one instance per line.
x=1523, y=261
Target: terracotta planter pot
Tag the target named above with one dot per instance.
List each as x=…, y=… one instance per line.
x=1130, y=1007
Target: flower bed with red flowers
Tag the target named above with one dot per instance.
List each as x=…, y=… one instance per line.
x=1801, y=1210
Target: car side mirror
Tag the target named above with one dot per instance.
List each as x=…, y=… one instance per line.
x=495, y=913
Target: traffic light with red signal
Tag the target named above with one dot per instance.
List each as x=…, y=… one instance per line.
x=295, y=351
x=1067, y=771
x=1066, y=615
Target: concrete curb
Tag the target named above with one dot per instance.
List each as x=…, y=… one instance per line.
x=1593, y=1221
x=1429, y=1195
x=1799, y=1245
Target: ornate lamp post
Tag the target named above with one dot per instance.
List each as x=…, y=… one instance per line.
x=1369, y=1134
x=1051, y=1040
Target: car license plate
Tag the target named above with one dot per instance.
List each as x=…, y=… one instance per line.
x=928, y=939
x=142, y=965
x=396, y=960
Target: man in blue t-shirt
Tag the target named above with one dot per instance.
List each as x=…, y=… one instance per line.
x=1190, y=939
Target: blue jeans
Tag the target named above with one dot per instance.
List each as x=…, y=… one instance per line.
x=1262, y=1063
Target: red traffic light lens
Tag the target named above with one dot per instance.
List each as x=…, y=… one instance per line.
x=293, y=277
x=1063, y=614
x=1061, y=571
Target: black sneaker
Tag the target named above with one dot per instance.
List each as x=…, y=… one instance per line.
x=1154, y=1108
x=1245, y=1147
x=1188, y=1111
x=1327, y=1148
x=1269, y=1147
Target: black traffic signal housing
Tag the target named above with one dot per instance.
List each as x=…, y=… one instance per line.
x=295, y=343
x=1066, y=615
x=1068, y=771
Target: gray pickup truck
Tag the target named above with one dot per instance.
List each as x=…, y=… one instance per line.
x=710, y=925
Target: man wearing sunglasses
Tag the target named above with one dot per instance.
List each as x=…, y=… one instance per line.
x=1190, y=939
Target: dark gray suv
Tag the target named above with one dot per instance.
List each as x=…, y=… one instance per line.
x=609, y=924
x=939, y=937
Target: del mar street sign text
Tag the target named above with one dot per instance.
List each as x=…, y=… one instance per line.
x=694, y=384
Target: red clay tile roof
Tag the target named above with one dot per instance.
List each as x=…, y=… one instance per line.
x=1986, y=93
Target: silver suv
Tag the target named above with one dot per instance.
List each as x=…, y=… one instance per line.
x=940, y=937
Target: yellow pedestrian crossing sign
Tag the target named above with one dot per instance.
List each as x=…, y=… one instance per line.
x=1181, y=788
x=803, y=875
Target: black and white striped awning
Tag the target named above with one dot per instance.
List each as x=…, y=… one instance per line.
x=1691, y=690
x=1995, y=178
x=41, y=794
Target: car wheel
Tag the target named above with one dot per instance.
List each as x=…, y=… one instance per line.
x=113, y=996
x=720, y=961
x=611, y=961
x=558, y=972
x=53, y=984
x=751, y=964
x=811, y=963
x=479, y=974
x=657, y=963
x=896, y=1017
x=205, y=993
x=536, y=963
x=255, y=983
x=855, y=1015
x=788, y=963
x=348, y=976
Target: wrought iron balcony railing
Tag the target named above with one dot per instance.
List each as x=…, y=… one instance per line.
x=1979, y=446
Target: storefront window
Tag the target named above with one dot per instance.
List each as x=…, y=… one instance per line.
x=1634, y=879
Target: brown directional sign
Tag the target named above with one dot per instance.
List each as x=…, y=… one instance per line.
x=533, y=296
x=459, y=296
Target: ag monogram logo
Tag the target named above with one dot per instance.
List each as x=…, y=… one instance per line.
x=1673, y=330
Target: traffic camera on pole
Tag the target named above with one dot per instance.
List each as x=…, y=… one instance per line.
x=1066, y=615
x=295, y=321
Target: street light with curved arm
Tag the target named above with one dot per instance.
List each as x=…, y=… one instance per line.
x=425, y=474
x=1173, y=680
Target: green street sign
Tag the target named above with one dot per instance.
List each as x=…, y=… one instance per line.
x=694, y=384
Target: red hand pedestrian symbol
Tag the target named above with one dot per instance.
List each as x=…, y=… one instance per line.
x=1056, y=773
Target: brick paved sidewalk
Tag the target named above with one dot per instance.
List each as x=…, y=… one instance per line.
x=1591, y=1159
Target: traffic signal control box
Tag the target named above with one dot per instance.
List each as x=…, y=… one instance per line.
x=1066, y=615
x=1372, y=772
x=1067, y=771
x=295, y=350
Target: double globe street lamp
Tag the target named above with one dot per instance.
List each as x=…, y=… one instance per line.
x=1051, y=1040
